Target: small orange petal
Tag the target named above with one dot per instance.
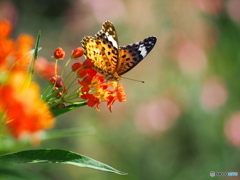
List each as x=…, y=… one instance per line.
x=58, y=53
x=5, y=29
x=78, y=52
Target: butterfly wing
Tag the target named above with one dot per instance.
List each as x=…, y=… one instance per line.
x=131, y=55
x=108, y=33
x=94, y=50
x=103, y=49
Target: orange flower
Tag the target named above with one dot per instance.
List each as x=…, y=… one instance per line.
x=93, y=90
x=58, y=53
x=76, y=66
x=25, y=112
x=78, y=52
x=88, y=63
x=96, y=90
x=45, y=68
x=82, y=73
x=21, y=107
x=24, y=45
x=7, y=46
x=16, y=52
x=5, y=29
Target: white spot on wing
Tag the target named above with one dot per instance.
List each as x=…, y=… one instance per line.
x=142, y=50
x=110, y=38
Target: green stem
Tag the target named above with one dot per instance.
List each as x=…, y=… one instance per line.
x=69, y=76
x=65, y=66
x=72, y=96
x=46, y=92
x=75, y=102
x=56, y=103
x=71, y=84
x=74, y=92
x=52, y=95
x=56, y=67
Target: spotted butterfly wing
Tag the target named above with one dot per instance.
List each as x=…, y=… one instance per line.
x=111, y=60
x=103, y=50
x=132, y=54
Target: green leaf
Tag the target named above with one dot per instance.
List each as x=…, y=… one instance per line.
x=58, y=111
x=35, y=53
x=55, y=156
x=37, y=45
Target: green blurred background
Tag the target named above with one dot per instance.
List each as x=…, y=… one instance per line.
x=183, y=122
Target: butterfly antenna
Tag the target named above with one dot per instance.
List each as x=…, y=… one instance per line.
x=133, y=79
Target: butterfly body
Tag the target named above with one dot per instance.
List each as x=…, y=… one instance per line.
x=111, y=60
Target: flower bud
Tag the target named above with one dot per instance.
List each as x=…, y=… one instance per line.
x=81, y=73
x=78, y=52
x=76, y=66
x=87, y=79
x=52, y=80
x=59, y=82
x=88, y=63
x=58, y=53
x=55, y=88
x=59, y=94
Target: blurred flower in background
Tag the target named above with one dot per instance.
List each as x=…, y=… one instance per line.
x=214, y=94
x=210, y=7
x=45, y=68
x=232, y=129
x=9, y=11
x=157, y=116
x=21, y=108
x=113, y=9
x=190, y=57
x=233, y=10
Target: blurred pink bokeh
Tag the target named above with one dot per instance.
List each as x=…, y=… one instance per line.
x=213, y=7
x=232, y=129
x=8, y=11
x=157, y=116
x=190, y=57
x=213, y=94
x=233, y=10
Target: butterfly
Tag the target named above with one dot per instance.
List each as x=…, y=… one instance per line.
x=111, y=60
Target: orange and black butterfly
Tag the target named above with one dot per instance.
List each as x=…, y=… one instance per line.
x=111, y=60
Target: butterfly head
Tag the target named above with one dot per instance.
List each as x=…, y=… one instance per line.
x=113, y=77
x=108, y=76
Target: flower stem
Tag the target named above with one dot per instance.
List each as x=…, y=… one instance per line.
x=55, y=104
x=72, y=96
x=46, y=92
x=66, y=66
x=71, y=84
x=56, y=67
x=52, y=95
x=69, y=76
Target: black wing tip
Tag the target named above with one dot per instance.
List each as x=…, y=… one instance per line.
x=152, y=38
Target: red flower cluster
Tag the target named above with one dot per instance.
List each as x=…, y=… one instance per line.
x=93, y=89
